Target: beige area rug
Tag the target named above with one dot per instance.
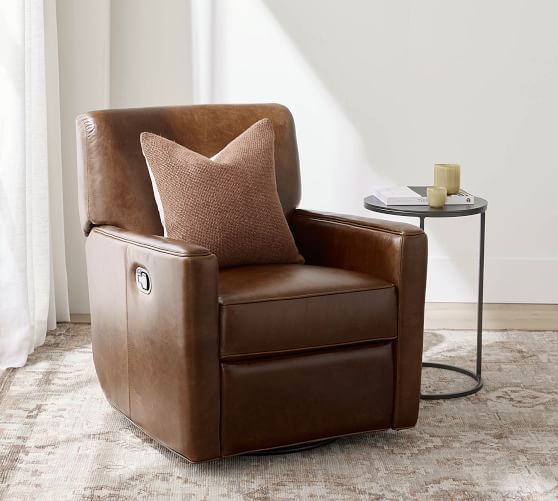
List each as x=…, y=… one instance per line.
x=59, y=438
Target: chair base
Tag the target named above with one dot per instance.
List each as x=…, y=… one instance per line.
x=290, y=449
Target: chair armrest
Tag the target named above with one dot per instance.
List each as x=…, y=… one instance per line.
x=395, y=252
x=154, y=242
x=355, y=243
x=156, y=354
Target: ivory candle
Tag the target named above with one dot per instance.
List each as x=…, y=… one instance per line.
x=436, y=196
x=448, y=176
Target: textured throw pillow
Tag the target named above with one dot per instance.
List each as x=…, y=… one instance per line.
x=229, y=203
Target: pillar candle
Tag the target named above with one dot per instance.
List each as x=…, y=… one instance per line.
x=448, y=176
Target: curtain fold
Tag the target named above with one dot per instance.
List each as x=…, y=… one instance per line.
x=59, y=304
x=27, y=262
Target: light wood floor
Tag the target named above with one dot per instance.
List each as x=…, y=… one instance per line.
x=534, y=317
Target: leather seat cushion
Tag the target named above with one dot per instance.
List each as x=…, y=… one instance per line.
x=275, y=309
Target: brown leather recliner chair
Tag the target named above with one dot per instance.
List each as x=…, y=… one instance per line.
x=215, y=362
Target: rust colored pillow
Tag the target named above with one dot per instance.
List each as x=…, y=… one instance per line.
x=229, y=203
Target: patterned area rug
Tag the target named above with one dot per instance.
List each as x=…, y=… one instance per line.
x=59, y=438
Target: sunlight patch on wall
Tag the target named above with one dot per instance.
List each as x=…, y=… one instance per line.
x=256, y=61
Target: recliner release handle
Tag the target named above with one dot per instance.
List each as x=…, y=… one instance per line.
x=143, y=280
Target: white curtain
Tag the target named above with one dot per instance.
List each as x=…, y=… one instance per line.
x=32, y=261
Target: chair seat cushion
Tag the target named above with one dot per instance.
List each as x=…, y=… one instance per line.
x=275, y=309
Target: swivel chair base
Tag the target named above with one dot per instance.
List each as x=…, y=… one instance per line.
x=290, y=449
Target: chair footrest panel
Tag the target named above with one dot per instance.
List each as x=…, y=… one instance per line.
x=279, y=401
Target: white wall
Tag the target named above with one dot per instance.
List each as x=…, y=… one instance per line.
x=83, y=56
x=123, y=53
x=151, y=54
x=381, y=90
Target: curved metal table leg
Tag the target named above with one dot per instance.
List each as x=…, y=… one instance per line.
x=474, y=375
x=454, y=394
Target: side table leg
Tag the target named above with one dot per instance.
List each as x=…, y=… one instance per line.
x=480, y=297
x=477, y=375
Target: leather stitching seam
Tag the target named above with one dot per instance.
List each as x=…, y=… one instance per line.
x=126, y=261
x=153, y=247
x=354, y=224
x=83, y=134
x=234, y=357
x=395, y=408
x=305, y=296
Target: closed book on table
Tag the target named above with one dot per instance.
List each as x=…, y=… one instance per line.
x=416, y=195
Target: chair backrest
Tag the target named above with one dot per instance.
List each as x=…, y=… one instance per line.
x=113, y=180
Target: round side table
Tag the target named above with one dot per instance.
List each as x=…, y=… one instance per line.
x=422, y=212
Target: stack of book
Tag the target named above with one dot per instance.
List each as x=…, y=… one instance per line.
x=416, y=195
